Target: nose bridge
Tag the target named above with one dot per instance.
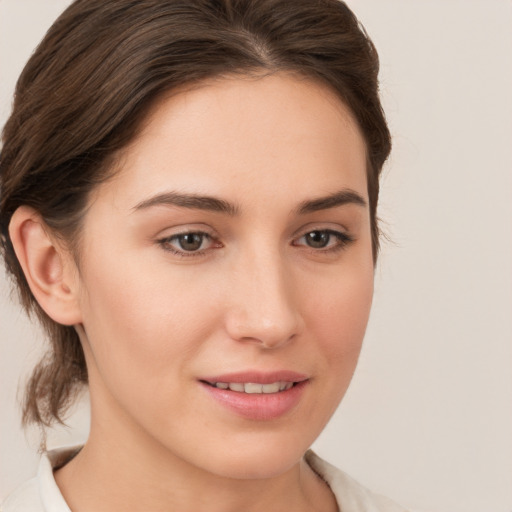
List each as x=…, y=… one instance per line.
x=263, y=306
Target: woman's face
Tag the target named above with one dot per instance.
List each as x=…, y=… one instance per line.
x=232, y=250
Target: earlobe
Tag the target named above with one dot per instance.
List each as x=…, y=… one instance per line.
x=46, y=265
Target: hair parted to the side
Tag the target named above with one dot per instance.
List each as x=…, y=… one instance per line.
x=87, y=88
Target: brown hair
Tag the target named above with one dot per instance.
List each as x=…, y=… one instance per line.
x=85, y=91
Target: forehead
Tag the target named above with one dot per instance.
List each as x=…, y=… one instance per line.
x=244, y=135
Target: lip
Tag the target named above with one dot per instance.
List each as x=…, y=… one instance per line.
x=257, y=377
x=258, y=407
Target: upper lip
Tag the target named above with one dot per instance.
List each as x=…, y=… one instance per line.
x=257, y=377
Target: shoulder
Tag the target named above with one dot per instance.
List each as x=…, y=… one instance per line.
x=350, y=494
x=41, y=494
x=24, y=498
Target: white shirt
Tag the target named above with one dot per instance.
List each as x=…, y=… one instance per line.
x=41, y=494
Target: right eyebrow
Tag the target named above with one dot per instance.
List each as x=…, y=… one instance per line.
x=215, y=204
x=192, y=201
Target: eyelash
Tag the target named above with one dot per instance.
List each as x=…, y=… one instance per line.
x=165, y=243
x=343, y=240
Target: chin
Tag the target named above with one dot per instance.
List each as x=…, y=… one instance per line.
x=257, y=457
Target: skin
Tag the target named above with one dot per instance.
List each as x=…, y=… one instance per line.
x=255, y=296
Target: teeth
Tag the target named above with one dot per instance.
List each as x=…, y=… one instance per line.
x=270, y=388
x=253, y=388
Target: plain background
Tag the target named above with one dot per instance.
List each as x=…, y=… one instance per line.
x=428, y=417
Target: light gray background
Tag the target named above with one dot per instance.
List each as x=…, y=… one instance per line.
x=428, y=417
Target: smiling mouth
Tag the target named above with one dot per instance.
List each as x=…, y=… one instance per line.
x=257, y=396
x=253, y=387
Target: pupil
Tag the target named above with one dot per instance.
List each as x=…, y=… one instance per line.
x=190, y=241
x=317, y=239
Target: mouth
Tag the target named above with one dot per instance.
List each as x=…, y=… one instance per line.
x=254, y=388
x=256, y=395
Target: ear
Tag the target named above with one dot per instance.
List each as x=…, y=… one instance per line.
x=49, y=269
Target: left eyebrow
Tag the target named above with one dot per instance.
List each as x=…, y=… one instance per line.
x=345, y=196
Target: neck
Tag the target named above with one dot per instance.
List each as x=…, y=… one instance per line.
x=121, y=468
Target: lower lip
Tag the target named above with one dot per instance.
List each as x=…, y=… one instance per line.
x=258, y=406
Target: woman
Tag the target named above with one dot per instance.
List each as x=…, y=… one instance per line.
x=189, y=195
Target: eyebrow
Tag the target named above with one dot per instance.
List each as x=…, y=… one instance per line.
x=340, y=198
x=209, y=203
x=192, y=201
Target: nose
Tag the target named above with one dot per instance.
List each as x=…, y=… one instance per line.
x=263, y=307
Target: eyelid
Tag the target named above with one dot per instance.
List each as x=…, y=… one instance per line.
x=344, y=238
x=183, y=228
x=165, y=242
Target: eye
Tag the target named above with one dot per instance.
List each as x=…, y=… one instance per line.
x=191, y=243
x=325, y=239
x=317, y=239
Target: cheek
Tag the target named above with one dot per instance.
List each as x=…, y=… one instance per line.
x=142, y=324
x=338, y=317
